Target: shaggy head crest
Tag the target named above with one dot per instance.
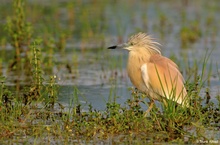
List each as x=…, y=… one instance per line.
x=142, y=39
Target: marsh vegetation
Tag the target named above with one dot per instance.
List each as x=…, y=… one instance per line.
x=60, y=84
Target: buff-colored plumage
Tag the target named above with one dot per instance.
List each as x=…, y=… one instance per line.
x=151, y=73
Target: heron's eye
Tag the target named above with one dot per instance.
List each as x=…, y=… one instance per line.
x=132, y=43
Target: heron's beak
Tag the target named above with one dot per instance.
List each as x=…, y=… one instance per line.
x=124, y=45
x=112, y=47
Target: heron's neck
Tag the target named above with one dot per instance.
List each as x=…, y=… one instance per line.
x=141, y=57
x=143, y=54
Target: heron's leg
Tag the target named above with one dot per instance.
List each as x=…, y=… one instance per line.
x=151, y=104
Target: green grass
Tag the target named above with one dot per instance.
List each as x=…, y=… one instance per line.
x=29, y=110
x=121, y=123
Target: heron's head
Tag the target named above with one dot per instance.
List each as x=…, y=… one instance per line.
x=139, y=41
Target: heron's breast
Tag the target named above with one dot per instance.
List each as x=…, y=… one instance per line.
x=135, y=75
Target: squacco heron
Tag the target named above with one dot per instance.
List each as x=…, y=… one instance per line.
x=151, y=73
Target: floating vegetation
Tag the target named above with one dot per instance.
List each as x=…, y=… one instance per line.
x=190, y=34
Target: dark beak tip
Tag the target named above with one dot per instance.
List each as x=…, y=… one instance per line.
x=112, y=47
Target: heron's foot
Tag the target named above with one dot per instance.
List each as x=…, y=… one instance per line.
x=149, y=108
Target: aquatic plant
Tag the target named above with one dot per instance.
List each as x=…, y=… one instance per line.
x=19, y=33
